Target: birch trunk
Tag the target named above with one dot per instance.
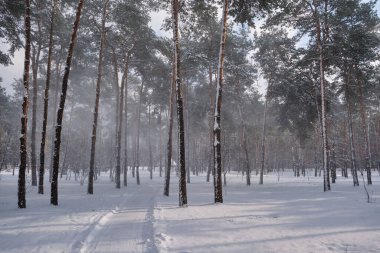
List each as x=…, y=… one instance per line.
x=24, y=116
x=218, y=192
x=326, y=180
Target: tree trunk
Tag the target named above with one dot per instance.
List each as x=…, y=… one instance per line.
x=333, y=164
x=169, y=146
x=46, y=102
x=24, y=116
x=243, y=146
x=326, y=179
x=150, y=146
x=180, y=116
x=116, y=87
x=160, y=140
x=90, y=188
x=120, y=123
x=58, y=71
x=368, y=158
x=218, y=192
x=351, y=135
x=187, y=130
x=210, y=124
x=35, y=62
x=137, y=151
x=58, y=128
x=263, y=141
x=125, y=169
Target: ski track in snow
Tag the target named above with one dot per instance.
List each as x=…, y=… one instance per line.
x=290, y=216
x=92, y=237
x=148, y=230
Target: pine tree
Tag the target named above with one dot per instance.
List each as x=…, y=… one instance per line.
x=46, y=100
x=180, y=116
x=58, y=128
x=90, y=189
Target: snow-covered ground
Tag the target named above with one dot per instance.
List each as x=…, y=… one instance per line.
x=292, y=215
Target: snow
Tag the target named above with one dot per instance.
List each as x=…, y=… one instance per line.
x=292, y=215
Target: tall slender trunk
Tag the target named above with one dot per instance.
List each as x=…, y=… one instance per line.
x=160, y=139
x=58, y=67
x=244, y=145
x=218, y=192
x=180, y=116
x=351, y=134
x=210, y=125
x=368, y=158
x=120, y=123
x=138, y=135
x=169, y=146
x=46, y=102
x=90, y=188
x=333, y=163
x=35, y=62
x=187, y=131
x=263, y=141
x=125, y=167
x=24, y=116
x=116, y=87
x=326, y=179
x=58, y=128
x=150, y=146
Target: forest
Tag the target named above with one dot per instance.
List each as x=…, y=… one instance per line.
x=172, y=101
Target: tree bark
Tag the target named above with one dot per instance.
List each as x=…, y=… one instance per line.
x=326, y=179
x=125, y=167
x=210, y=124
x=351, y=134
x=169, y=146
x=160, y=140
x=24, y=116
x=180, y=116
x=120, y=123
x=263, y=140
x=150, y=145
x=35, y=62
x=368, y=158
x=218, y=192
x=90, y=188
x=244, y=145
x=58, y=128
x=46, y=102
x=58, y=71
x=137, y=157
x=116, y=87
